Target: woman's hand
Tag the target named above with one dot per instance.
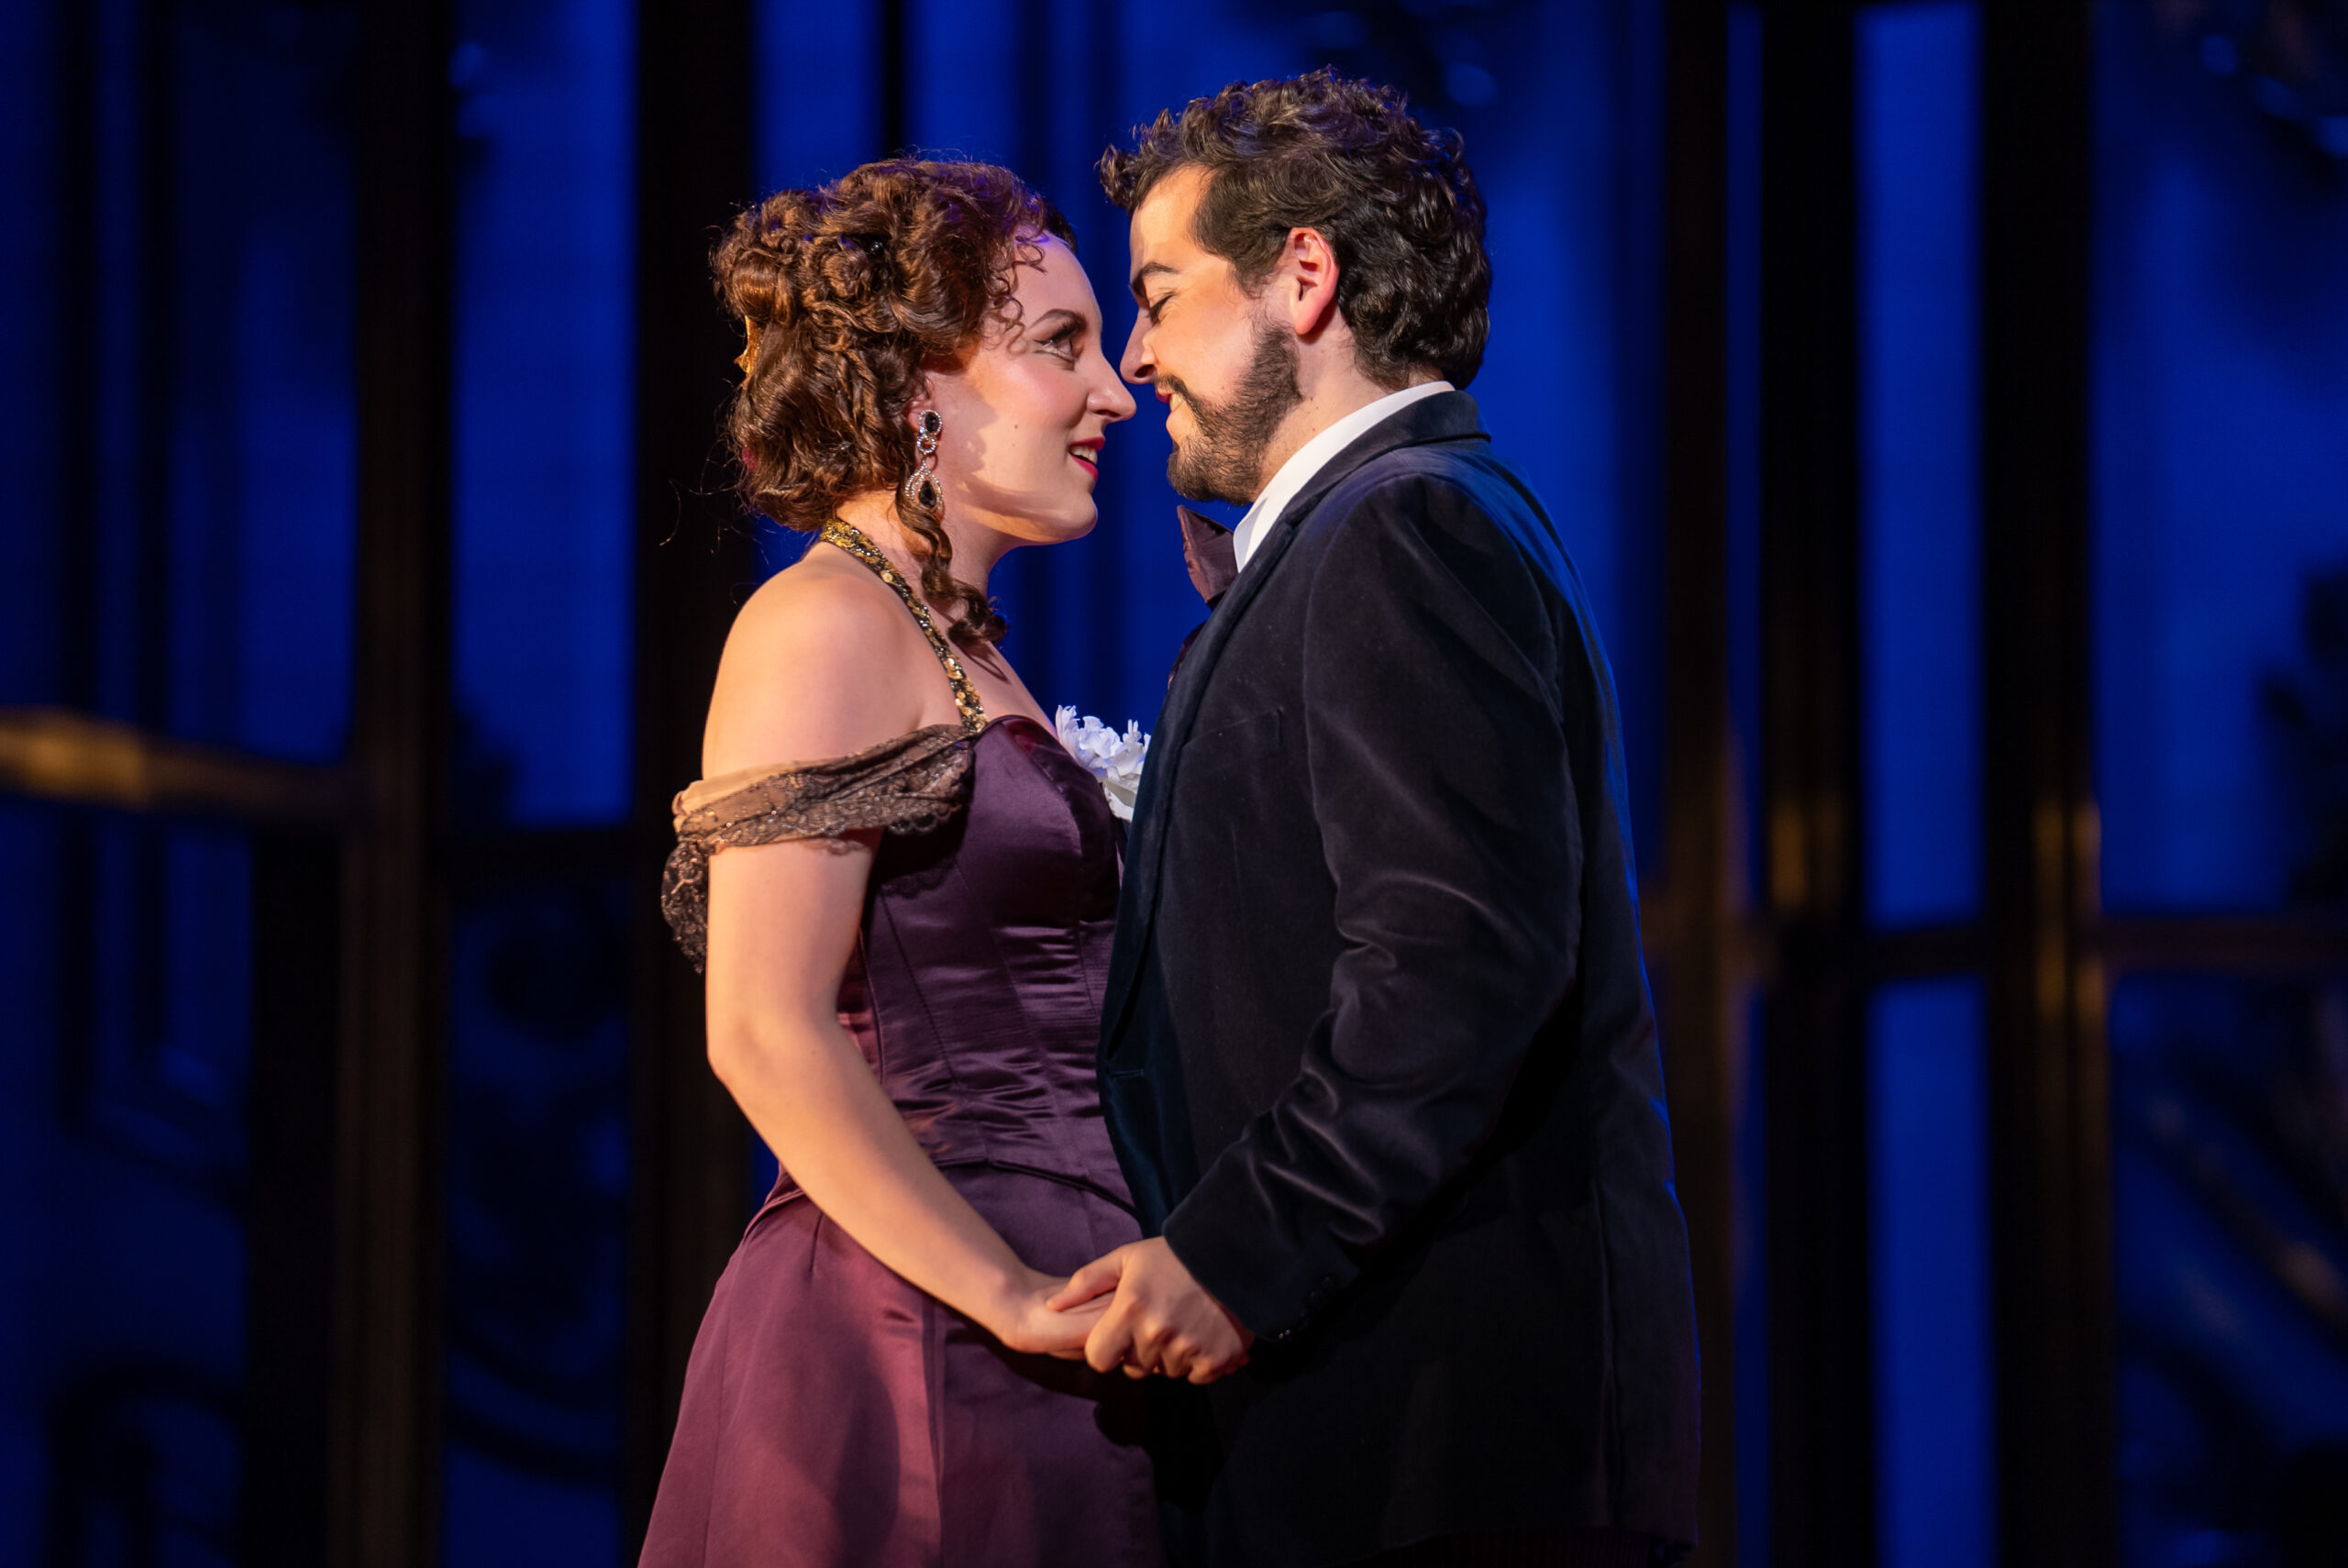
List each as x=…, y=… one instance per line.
x=1024, y=1324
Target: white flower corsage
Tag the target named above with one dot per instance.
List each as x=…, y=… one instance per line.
x=1115, y=759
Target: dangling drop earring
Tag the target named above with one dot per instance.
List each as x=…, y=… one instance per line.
x=920, y=489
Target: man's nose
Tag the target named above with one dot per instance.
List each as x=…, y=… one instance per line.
x=1136, y=366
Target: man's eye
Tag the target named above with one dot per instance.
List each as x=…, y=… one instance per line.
x=1152, y=307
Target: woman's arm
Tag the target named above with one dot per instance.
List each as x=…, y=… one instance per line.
x=782, y=922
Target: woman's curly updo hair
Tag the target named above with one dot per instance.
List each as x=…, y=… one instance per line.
x=1395, y=200
x=851, y=292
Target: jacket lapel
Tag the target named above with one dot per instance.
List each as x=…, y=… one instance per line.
x=1137, y=909
x=1446, y=416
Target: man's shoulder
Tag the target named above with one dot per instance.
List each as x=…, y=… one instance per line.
x=1454, y=486
x=1453, y=503
x=1461, y=471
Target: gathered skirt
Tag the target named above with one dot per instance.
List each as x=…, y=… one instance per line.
x=835, y=1416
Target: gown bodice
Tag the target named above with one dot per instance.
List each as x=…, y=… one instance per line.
x=978, y=979
x=976, y=984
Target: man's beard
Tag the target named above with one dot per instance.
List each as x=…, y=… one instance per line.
x=1225, y=462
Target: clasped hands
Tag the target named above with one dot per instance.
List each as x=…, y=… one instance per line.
x=1137, y=1308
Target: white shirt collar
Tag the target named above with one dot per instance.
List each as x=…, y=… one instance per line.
x=1311, y=458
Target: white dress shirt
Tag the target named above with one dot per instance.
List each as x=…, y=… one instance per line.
x=1311, y=457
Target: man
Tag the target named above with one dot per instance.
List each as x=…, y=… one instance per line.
x=1378, y=1054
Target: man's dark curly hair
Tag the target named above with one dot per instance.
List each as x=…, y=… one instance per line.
x=1395, y=200
x=850, y=293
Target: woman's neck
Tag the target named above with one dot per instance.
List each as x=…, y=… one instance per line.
x=976, y=547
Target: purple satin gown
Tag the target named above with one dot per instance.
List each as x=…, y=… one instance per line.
x=834, y=1416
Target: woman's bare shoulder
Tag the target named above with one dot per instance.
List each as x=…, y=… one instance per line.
x=821, y=662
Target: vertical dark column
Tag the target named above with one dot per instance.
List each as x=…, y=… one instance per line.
x=2050, y=1182
x=384, y=1489
x=76, y=594
x=1822, y=1449
x=690, y=1170
x=155, y=187
x=77, y=369
x=289, y=1255
x=154, y=184
x=893, y=87
x=1638, y=47
x=1702, y=975
x=1038, y=101
x=155, y=380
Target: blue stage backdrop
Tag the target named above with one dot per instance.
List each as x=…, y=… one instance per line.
x=176, y=444
x=2222, y=642
x=1916, y=141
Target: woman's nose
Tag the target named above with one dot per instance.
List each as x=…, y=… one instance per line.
x=1114, y=401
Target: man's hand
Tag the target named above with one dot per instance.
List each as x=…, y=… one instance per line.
x=1161, y=1320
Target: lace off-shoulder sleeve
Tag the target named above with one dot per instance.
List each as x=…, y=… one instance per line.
x=910, y=784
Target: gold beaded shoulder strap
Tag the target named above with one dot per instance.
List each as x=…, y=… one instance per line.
x=848, y=538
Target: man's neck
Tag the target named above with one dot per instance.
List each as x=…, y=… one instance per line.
x=1336, y=392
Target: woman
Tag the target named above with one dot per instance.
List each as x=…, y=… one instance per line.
x=905, y=888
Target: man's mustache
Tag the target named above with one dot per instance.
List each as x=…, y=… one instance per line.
x=1174, y=388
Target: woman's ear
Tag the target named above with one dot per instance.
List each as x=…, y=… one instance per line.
x=923, y=404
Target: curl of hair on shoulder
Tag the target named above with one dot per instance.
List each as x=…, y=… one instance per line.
x=851, y=292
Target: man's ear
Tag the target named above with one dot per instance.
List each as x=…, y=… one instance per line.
x=1306, y=277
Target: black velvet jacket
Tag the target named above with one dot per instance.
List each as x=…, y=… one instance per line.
x=1378, y=1054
